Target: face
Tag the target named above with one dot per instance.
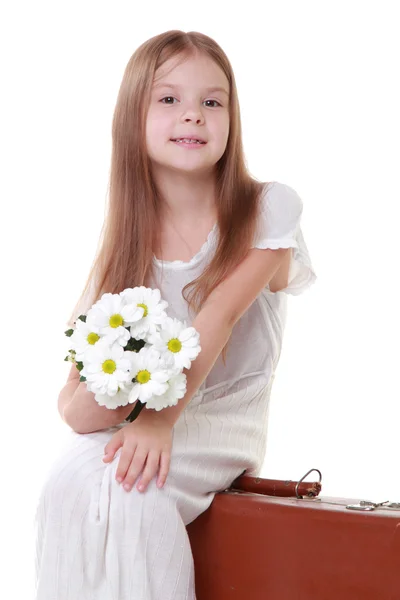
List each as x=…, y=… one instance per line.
x=185, y=103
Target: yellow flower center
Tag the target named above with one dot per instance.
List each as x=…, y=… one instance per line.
x=143, y=376
x=92, y=338
x=146, y=312
x=174, y=345
x=109, y=366
x=116, y=321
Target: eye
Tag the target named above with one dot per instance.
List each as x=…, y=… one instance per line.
x=166, y=97
x=172, y=98
x=213, y=101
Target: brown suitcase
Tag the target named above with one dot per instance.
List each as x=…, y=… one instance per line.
x=277, y=540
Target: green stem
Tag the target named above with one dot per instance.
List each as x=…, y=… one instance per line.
x=136, y=411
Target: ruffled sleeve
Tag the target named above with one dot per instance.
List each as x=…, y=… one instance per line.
x=279, y=227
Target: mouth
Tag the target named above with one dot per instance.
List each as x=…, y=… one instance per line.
x=188, y=140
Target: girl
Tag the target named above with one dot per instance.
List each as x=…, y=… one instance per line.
x=184, y=214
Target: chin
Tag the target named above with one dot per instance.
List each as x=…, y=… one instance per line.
x=187, y=165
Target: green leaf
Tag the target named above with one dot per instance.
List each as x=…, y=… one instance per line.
x=82, y=318
x=82, y=378
x=135, y=345
x=69, y=332
x=79, y=366
x=71, y=356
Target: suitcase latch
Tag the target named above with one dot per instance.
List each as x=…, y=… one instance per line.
x=366, y=505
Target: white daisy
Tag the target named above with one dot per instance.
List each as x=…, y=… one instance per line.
x=153, y=307
x=106, y=368
x=112, y=315
x=176, y=390
x=85, y=335
x=121, y=398
x=178, y=341
x=151, y=374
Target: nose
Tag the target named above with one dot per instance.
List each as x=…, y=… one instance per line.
x=191, y=114
x=198, y=120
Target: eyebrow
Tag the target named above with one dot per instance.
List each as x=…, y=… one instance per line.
x=213, y=88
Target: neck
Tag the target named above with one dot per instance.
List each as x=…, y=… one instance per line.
x=186, y=197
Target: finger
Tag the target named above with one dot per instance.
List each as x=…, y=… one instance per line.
x=111, y=448
x=136, y=467
x=128, y=452
x=151, y=468
x=165, y=462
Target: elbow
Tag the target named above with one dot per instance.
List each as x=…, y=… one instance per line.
x=68, y=419
x=75, y=420
x=77, y=429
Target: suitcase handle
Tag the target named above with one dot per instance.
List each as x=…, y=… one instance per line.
x=278, y=487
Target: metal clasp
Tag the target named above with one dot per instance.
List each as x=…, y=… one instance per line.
x=304, y=476
x=366, y=505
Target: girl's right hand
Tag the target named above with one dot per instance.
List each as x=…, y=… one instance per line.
x=146, y=446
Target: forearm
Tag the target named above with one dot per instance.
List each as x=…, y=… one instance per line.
x=215, y=330
x=226, y=304
x=84, y=415
x=66, y=394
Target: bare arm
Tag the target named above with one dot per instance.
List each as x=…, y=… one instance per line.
x=224, y=307
x=65, y=396
x=79, y=409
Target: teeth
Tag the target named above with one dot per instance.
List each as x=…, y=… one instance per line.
x=187, y=141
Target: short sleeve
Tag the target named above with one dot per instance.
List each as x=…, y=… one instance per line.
x=279, y=226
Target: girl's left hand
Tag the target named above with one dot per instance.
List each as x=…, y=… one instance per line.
x=146, y=444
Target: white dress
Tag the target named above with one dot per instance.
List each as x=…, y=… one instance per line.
x=94, y=540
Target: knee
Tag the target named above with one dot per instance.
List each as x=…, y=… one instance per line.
x=69, y=477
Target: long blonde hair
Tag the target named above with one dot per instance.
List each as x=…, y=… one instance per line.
x=130, y=233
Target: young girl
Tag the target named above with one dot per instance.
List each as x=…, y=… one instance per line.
x=183, y=210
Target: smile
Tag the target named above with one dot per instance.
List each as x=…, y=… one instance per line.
x=188, y=143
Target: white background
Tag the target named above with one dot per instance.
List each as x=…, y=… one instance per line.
x=319, y=108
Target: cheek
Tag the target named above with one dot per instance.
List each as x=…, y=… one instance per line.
x=224, y=130
x=155, y=134
x=157, y=124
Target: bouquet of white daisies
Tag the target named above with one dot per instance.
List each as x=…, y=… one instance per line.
x=128, y=349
